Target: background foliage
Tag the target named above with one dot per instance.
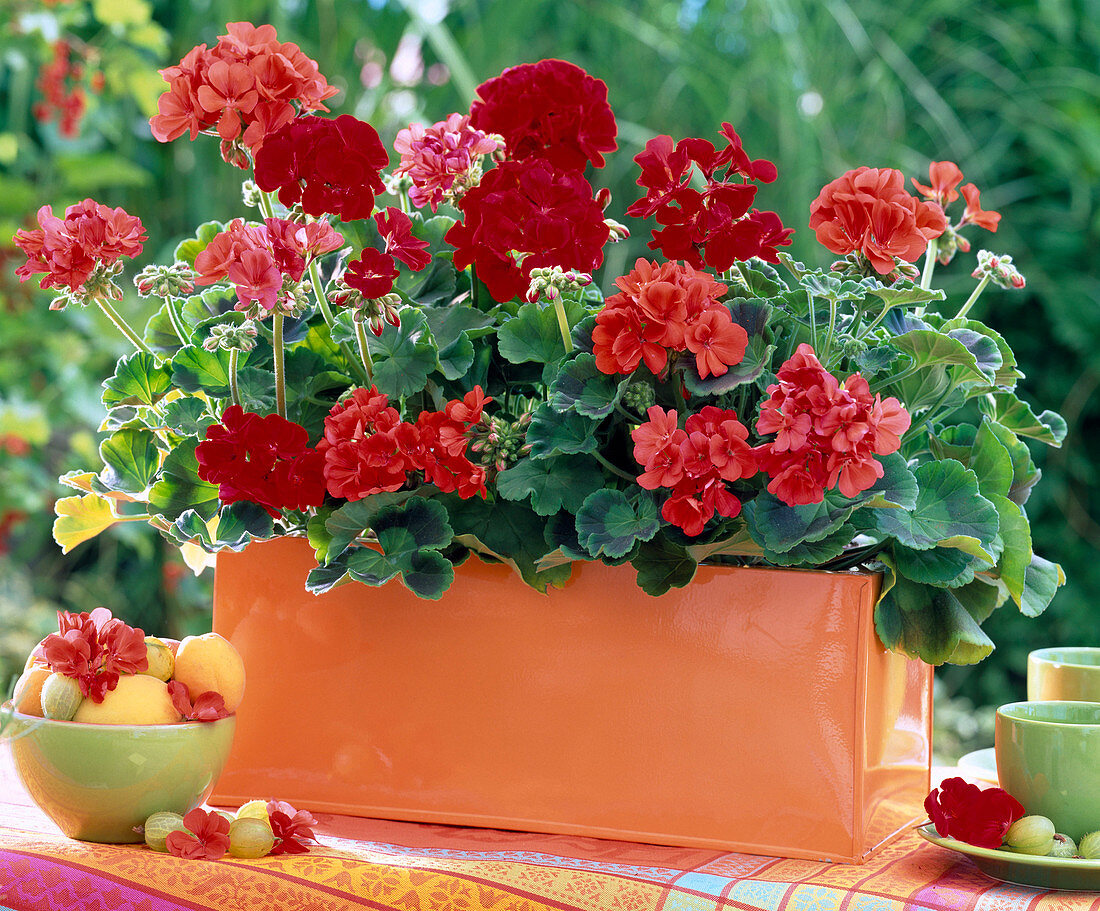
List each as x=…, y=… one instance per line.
x=1009, y=90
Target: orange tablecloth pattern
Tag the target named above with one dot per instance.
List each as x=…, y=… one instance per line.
x=382, y=865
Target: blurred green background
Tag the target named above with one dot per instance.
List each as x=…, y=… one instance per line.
x=1010, y=91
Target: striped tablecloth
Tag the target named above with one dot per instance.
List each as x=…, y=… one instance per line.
x=375, y=864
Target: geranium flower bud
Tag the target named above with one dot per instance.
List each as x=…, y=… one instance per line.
x=175, y=280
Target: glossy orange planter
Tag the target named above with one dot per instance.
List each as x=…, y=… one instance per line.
x=753, y=710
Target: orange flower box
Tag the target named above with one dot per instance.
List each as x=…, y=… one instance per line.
x=753, y=710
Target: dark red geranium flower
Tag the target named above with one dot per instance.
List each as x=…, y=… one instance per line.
x=396, y=230
x=292, y=828
x=977, y=816
x=868, y=211
x=372, y=274
x=94, y=649
x=264, y=460
x=712, y=226
x=551, y=109
x=207, y=837
x=209, y=706
x=329, y=166
x=525, y=215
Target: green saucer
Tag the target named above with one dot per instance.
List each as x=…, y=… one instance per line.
x=1024, y=869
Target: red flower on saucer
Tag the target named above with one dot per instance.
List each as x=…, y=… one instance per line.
x=968, y=813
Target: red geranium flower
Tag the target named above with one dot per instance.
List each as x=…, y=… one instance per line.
x=551, y=109
x=264, y=460
x=290, y=827
x=372, y=274
x=525, y=215
x=329, y=166
x=943, y=176
x=94, y=649
x=69, y=249
x=975, y=214
x=209, y=706
x=979, y=817
x=207, y=838
x=396, y=230
x=868, y=211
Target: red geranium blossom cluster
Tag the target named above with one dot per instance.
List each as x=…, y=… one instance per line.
x=265, y=460
x=208, y=706
x=368, y=449
x=328, y=166
x=975, y=815
x=244, y=87
x=712, y=226
x=94, y=649
x=662, y=308
x=695, y=463
x=60, y=82
x=375, y=271
x=206, y=836
x=69, y=249
x=523, y=215
x=442, y=160
x=256, y=257
x=827, y=434
x=868, y=211
x=552, y=110
x=943, y=178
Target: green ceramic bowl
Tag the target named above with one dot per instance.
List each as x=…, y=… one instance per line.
x=1048, y=758
x=1064, y=674
x=100, y=782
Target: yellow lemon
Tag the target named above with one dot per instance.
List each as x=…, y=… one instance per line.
x=161, y=661
x=254, y=809
x=138, y=699
x=211, y=663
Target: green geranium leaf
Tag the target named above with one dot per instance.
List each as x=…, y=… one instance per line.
x=990, y=461
x=187, y=250
x=428, y=574
x=413, y=526
x=987, y=355
x=815, y=552
x=160, y=334
x=180, y=487
x=455, y=360
x=1024, y=473
x=131, y=459
x=552, y=433
x=241, y=522
x=945, y=567
x=904, y=294
x=777, y=527
x=876, y=360
x=325, y=578
x=138, y=380
x=188, y=417
x=580, y=386
x=533, y=334
x=761, y=279
x=352, y=519
x=663, y=565
x=758, y=356
x=318, y=535
x=1041, y=584
x=500, y=528
x=949, y=512
x=897, y=488
x=1007, y=373
x=1015, y=533
x=433, y=285
x=403, y=356
x=979, y=598
x=928, y=348
x=257, y=389
x=929, y=623
x=195, y=369
x=610, y=522
x=190, y=527
x=551, y=484
x=370, y=566
x=448, y=324
x=1017, y=416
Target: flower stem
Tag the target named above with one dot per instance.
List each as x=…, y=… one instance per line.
x=176, y=323
x=974, y=296
x=929, y=263
x=813, y=322
x=832, y=328
x=613, y=468
x=279, y=353
x=115, y=317
x=364, y=349
x=563, y=324
x=267, y=209
x=234, y=390
x=330, y=320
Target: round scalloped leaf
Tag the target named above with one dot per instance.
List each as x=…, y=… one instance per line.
x=138, y=380
x=553, y=433
x=195, y=369
x=610, y=522
x=551, y=484
x=428, y=574
x=1041, y=584
x=130, y=460
x=403, y=356
x=662, y=565
x=582, y=387
x=533, y=333
x=1006, y=409
x=80, y=519
x=406, y=530
x=180, y=487
x=778, y=527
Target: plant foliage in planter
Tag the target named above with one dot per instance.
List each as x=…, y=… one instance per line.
x=403, y=358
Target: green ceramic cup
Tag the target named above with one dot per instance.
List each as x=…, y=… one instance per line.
x=1064, y=674
x=99, y=782
x=1048, y=758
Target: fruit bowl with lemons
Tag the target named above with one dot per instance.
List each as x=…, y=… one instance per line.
x=108, y=725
